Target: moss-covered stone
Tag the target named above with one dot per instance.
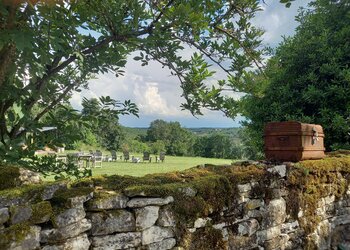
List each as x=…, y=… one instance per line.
x=9, y=176
x=41, y=212
x=19, y=236
x=71, y=197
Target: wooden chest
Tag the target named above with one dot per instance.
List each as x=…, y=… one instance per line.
x=293, y=141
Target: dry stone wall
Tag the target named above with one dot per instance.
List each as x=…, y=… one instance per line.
x=277, y=208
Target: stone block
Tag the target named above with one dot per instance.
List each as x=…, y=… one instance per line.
x=41, y=212
x=117, y=241
x=142, y=202
x=276, y=213
x=268, y=234
x=162, y=245
x=20, y=237
x=248, y=227
x=281, y=170
x=20, y=214
x=68, y=216
x=166, y=217
x=81, y=242
x=146, y=217
x=289, y=227
x=111, y=222
x=244, y=188
x=254, y=204
x=50, y=190
x=201, y=222
x=4, y=215
x=188, y=191
x=156, y=234
x=55, y=235
x=107, y=200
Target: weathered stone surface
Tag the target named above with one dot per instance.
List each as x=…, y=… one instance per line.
x=248, y=227
x=12, y=201
x=117, y=241
x=4, y=215
x=188, y=191
x=80, y=242
x=276, y=213
x=156, y=234
x=253, y=204
x=50, y=190
x=289, y=227
x=281, y=170
x=28, y=177
x=20, y=237
x=201, y=222
x=162, y=245
x=20, y=214
x=146, y=217
x=166, y=218
x=276, y=243
x=41, y=212
x=68, y=216
x=111, y=222
x=79, y=200
x=58, y=234
x=108, y=200
x=142, y=202
x=268, y=234
x=244, y=188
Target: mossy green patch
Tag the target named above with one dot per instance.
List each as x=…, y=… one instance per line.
x=312, y=180
x=207, y=238
x=9, y=176
x=62, y=197
x=14, y=233
x=41, y=212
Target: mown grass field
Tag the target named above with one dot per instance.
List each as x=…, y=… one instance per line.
x=171, y=163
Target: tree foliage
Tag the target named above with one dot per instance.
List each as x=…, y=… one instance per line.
x=48, y=49
x=308, y=78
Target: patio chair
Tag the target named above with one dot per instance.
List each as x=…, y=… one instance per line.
x=161, y=157
x=146, y=157
x=126, y=155
x=114, y=155
x=97, y=159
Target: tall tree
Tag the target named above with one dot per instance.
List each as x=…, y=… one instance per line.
x=50, y=48
x=308, y=77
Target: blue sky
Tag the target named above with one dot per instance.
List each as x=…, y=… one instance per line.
x=158, y=95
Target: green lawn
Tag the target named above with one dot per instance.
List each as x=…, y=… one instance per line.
x=171, y=163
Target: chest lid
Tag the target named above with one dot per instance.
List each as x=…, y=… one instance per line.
x=292, y=128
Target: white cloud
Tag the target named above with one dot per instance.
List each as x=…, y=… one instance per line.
x=158, y=93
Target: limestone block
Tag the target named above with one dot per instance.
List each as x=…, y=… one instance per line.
x=289, y=227
x=111, y=222
x=146, y=217
x=117, y=241
x=188, y=191
x=28, y=177
x=41, y=212
x=142, y=202
x=20, y=214
x=201, y=222
x=276, y=243
x=276, y=213
x=68, y=216
x=58, y=234
x=156, y=234
x=244, y=188
x=162, y=245
x=254, y=203
x=79, y=200
x=248, y=227
x=50, y=190
x=20, y=237
x=4, y=215
x=268, y=234
x=110, y=200
x=12, y=201
x=80, y=242
x=281, y=170
x=329, y=199
x=340, y=220
x=166, y=218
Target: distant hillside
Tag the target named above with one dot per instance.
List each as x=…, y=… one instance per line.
x=132, y=133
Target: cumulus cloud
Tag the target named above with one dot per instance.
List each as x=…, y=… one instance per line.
x=158, y=94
